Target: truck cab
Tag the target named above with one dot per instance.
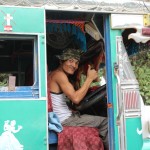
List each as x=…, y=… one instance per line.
x=33, y=33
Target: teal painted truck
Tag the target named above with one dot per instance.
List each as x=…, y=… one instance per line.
x=31, y=33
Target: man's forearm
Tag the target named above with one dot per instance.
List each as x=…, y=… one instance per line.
x=79, y=94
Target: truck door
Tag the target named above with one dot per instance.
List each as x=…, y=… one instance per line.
x=128, y=101
x=23, y=118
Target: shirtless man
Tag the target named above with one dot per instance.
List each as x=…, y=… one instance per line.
x=61, y=89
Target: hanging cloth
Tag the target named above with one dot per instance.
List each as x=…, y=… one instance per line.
x=74, y=28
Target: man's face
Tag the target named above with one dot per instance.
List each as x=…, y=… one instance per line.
x=70, y=66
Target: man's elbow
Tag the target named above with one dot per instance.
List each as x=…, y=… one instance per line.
x=75, y=100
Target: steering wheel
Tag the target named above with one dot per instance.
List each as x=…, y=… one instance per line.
x=92, y=98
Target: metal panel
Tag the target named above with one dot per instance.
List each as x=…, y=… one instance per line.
x=23, y=125
x=133, y=127
x=126, y=73
x=109, y=84
x=21, y=20
x=105, y=6
x=131, y=98
x=127, y=21
x=129, y=87
x=128, y=97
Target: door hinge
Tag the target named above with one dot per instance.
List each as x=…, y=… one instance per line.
x=146, y=19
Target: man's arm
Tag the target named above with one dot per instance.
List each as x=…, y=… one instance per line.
x=68, y=89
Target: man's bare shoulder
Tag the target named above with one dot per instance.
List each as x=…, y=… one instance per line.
x=57, y=75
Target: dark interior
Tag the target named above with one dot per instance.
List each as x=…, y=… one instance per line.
x=16, y=59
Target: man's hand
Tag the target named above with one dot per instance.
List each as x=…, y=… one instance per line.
x=60, y=83
x=91, y=73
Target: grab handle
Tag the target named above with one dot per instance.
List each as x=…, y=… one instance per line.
x=116, y=67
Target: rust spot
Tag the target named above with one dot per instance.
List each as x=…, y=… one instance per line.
x=109, y=105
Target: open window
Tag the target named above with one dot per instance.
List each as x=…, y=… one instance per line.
x=18, y=67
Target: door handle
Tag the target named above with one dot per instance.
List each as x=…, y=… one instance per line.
x=120, y=105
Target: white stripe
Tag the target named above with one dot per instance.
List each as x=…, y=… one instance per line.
x=60, y=107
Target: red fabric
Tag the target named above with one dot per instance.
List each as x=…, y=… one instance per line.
x=146, y=31
x=90, y=59
x=79, y=138
x=49, y=101
x=79, y=24
x=50, y=108
x=94, y=62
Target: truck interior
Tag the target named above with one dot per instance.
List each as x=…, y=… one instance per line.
x=83, y=31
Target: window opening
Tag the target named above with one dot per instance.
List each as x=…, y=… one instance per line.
x=17, y=61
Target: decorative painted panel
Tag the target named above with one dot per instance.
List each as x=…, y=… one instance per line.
x=23, y=125
x=23, y=20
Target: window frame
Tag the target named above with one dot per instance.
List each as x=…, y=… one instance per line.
x=24, y=91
